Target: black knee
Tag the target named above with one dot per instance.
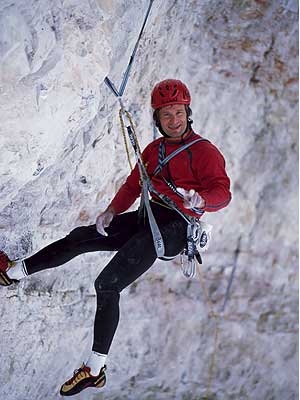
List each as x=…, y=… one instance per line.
x=106, y=291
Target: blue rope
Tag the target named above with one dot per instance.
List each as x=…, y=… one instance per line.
x=109, y=83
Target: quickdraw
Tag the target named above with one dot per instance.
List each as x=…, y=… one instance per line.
x=122, y=112
x=109, y=83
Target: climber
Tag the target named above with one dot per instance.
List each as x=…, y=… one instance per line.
x=194, y=181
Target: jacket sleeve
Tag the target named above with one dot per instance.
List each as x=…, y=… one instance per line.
x=214, y=182
x=131, y=189
x=128, y=192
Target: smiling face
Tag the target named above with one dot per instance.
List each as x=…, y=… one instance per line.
x=173, y=120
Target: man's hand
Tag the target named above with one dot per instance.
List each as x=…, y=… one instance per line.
x=103, y=221
x=191, y=198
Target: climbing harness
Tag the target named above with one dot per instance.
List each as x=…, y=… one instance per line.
x=165, y=160
x=198, y=233
x=162, y=161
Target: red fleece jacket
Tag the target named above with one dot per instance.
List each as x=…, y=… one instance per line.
x=200, y=167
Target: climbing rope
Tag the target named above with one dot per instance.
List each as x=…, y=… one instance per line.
x=235, y=260
x=119, y=92
x=121, y=112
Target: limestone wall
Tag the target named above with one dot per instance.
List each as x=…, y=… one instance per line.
x=63, y=158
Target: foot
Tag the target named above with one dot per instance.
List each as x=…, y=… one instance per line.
x=83, y=379
x=5, y=264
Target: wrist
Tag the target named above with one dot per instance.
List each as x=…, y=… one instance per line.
x=111, y=210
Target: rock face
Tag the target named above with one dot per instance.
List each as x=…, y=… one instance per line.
x=63, y=158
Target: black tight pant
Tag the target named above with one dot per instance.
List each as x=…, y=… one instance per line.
x=135, y=255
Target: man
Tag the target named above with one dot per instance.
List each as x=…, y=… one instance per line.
x=193, y=181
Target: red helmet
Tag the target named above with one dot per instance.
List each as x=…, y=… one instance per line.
x=168, y=92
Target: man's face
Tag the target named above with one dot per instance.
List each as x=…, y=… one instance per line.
x=173, y=119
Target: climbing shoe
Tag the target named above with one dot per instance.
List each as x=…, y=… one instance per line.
x=83, y=379
x=5, y=264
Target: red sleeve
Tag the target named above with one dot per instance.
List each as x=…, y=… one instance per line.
x=131, y=189
x=213, y=179
x=128, y=192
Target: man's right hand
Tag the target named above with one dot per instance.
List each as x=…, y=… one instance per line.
x=103, y=221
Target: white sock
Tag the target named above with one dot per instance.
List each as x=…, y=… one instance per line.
x=17, y=270
x=96, y=361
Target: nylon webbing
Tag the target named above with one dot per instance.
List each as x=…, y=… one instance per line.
x=148, y=187
x=157, y=237
x=109, y=83
x=163, y=162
